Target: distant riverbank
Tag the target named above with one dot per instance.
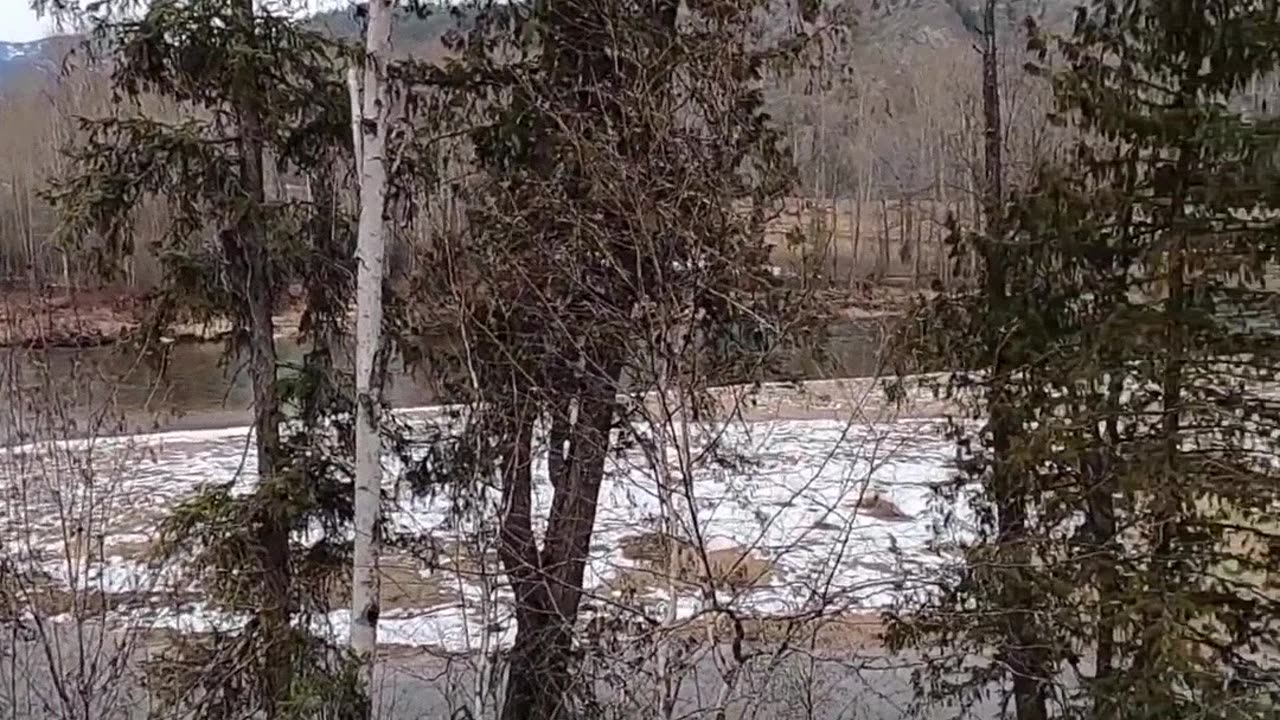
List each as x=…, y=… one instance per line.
x=58, y=318
x=119, y=389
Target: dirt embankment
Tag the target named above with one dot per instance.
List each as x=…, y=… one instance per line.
x=854, y=400
x=61, y=319
x=88, y=318
x=56, y=317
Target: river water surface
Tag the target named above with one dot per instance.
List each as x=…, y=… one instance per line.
x=190, y=385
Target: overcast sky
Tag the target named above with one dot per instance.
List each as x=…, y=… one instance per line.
x=18, y=22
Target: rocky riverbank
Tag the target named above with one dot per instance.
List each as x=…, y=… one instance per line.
x=58, y=318
x=93, y=318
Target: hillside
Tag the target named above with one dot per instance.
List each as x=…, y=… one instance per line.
x=901, y=24
x=887, y=131
x=23, y=59
x=891, y=25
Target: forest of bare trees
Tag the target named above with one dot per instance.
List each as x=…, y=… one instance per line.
x=886, y=138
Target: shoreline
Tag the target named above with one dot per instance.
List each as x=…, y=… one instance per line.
x=856, y=400
x=105, y=317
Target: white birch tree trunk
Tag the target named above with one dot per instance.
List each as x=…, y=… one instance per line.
x=369, y=98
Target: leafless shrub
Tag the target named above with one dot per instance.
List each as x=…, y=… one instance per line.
x=72, y=564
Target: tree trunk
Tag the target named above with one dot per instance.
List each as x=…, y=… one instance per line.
x=539, y=671
x=855, y=220
x=320, y=301
x=904, y=230
x=22, y=206
x=369, y=135
x=548, y=582
x=935, y=233
x=992, y=132
x=831, y=248
x=250, y=274
x=882, y=263
x=1018, y=649
x=917, y=252
x=1156, y=621
x=1101, y=487
x=539, y=660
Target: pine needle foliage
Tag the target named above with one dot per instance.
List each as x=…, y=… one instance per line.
x=261, y=96
x=1138, y=371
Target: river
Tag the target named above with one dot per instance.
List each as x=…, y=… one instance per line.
x=191, y=385
x=798, y=504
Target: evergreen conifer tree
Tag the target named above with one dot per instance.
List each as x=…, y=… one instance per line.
x=1140, y=363
x=257, y=94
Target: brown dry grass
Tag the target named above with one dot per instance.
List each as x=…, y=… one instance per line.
x=84, y=318
x=660, y=559
x=856, y=400
x=839, y=631
x=87, y=318
x=405, y=585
